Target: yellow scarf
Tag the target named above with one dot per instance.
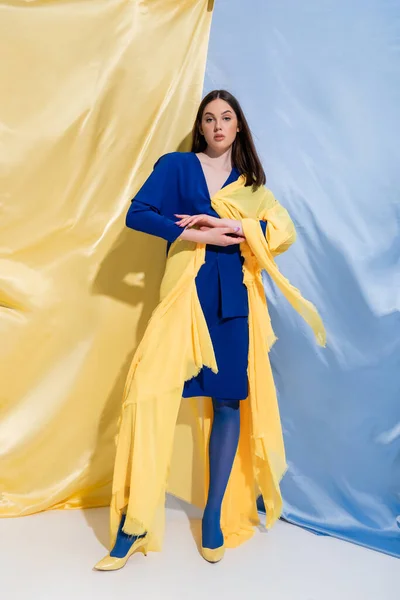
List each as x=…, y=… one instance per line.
x=162, y=442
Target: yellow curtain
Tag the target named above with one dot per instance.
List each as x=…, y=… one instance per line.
x=93, y=92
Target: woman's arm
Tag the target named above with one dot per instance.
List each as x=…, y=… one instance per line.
x=144, y=217
x=148, y=210
x=150, y=205
x=209, y=221
x=216, y=236
x=234, y=223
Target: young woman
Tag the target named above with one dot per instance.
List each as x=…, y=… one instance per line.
x=204, y=201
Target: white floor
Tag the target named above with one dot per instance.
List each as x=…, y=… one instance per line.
x=50, y=556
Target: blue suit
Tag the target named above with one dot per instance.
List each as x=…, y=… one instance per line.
x=177, y=186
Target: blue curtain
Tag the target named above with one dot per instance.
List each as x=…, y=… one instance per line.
x=319, y=82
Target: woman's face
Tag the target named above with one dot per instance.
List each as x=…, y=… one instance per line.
x=219, y=125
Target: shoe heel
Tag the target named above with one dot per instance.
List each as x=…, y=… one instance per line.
x=112, y=563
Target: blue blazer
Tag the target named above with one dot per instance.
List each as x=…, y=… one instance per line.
x=177, y=185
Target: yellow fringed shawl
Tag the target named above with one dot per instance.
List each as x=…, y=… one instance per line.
x=162, y=442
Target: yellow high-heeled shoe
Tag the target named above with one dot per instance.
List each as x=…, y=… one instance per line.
x=213, y=555
x=113, y=563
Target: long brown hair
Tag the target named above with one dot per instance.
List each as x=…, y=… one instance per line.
x=244, y=153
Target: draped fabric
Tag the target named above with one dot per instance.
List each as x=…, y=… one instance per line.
x=319, y=83
x=93, y=92
x=176, y=345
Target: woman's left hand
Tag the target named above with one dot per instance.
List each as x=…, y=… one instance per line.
x=208, y=221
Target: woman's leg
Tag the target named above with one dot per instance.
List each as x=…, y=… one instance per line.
x=222, y=449
x=223, y=444
x=124, y=541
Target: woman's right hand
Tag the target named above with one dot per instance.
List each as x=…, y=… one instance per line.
x=218, y=236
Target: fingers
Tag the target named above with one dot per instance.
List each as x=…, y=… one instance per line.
x=229, y=230
x=202, y=220
x=188, y=220
x=182, y=219
x=235, y=240
x=227, y=235
x=230, y=241
x=187, y=223
x=191, y=221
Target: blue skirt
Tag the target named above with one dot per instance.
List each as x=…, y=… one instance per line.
x=230, y=338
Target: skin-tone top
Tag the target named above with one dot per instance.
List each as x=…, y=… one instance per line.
x=216, y=170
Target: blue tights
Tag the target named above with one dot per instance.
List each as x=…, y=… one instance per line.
x=123, y=541
x=222, y=449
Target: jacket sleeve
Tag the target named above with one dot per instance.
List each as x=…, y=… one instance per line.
x=148, y=207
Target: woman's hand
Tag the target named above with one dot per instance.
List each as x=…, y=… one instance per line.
x=221, y=236
x=199, y=220
x=216, y=236
x=209, y=221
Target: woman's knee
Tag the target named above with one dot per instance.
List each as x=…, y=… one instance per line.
x=225, y=405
